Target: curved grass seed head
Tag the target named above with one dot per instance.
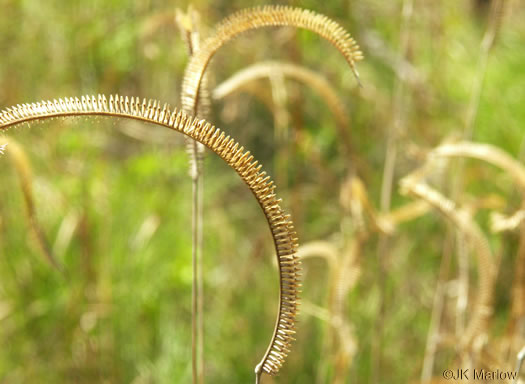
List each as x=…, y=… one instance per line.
x=241, y=161
x=191, y=89
x=254, y=18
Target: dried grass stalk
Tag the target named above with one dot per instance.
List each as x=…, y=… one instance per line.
x=22, y=166
x=485, y=152
x=321, y=249
x=482, y=310
x=297, y=72
x=499, y=223
x=407, y=212
x=339, y=345
x=496, y=16
x=354, y=199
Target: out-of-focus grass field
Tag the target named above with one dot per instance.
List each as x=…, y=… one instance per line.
x=114, y=197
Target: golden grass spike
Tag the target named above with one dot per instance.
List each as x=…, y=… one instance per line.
x=22, y=166
x=486, y=266
x=297, y=72
x=253, y=18
x=281, y=227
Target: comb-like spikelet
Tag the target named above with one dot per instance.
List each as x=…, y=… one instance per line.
x=262, y=187
x=253, y=18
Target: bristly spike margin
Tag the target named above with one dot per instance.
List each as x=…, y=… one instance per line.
x=241, y=161
x=242, y=21
x=261, y=17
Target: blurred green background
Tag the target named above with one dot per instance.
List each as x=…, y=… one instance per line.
x=114, y=197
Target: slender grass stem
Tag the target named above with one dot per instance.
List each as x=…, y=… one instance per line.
x=200, y=278
x=187, y=23
x=386, y=192
x=468, y=131
x=195, y=270
x=437, y=312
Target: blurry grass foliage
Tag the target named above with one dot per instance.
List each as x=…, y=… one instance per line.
x=113, y=198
